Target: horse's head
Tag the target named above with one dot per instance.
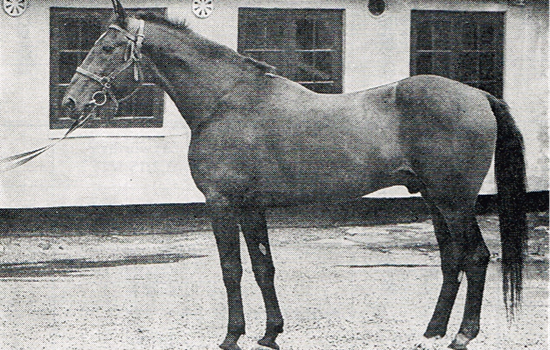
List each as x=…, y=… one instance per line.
x=110, y=72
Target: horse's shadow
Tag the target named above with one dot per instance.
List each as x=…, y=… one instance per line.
x=68, y=267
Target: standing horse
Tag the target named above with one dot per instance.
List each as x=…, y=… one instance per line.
x=259, y=140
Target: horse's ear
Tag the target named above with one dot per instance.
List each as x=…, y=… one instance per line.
x=120, y=12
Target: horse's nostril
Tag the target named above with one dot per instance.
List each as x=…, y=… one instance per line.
x=69, y=106
x=69, y=103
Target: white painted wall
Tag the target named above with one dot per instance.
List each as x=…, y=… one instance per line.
x=137, y=166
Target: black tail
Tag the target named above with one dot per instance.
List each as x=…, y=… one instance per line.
x=510, y=178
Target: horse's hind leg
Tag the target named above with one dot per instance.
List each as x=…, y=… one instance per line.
x=226, y=231
x=450, y=253
x=253, y=225
x=462, y=249
x=475, y=266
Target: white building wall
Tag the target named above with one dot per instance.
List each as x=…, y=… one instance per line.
x=143, y=166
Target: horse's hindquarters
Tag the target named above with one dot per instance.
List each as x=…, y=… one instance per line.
x=448, y=131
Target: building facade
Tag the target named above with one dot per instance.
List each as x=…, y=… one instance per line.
x=139, y=156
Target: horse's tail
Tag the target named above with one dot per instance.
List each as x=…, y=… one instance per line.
x=510, y=179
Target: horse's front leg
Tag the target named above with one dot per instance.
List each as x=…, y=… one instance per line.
x=226, y=231
x=254, y=228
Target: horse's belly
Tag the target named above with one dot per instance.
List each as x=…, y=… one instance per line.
x=321, y=177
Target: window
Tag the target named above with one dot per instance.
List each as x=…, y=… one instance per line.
x=73, y=32
x=305, y=45
x=465, y=46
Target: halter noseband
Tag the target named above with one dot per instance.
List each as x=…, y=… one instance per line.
x=132, y=57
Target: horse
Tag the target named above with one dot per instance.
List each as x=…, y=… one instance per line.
x=259, y=140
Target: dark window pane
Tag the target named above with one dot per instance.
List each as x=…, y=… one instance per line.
x=442, y=35
x=487, y=36
x=441, y=64
x=487, y=66
x=275, y=35
x=56, y=95
x=323, y=64
x=254, y=35
x=125, y=108
x=424, y=36
x=68, y=61
x=91, y=30
x=305, y=68
x=304, y=34
x=424, y=63
x=143, y=101
x=469, y=63
x=69, y=34
x=324, y=35
x=469, y=36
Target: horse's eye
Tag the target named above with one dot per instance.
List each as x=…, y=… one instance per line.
x=108, y=48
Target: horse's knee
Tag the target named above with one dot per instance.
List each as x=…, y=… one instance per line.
x=232, y=274
x=263, y=268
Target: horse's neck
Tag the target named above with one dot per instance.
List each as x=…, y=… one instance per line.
x=196, y=87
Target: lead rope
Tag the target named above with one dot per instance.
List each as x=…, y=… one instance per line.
x=15, y=161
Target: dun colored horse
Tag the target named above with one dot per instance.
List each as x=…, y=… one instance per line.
x=259, y=140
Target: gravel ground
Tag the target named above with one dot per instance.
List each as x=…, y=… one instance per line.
x=339, y=288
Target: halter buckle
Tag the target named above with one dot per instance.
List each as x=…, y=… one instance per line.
x=105, y=82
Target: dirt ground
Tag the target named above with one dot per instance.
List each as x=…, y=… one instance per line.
x=339, y=288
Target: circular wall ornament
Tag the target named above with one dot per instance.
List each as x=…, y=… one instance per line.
x=377, y=7
x=203, y=8
x=15, y=8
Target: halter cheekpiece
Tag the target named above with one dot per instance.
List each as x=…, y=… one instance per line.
x=132, y=58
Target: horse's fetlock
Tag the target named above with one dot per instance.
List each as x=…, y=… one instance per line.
x=275, y=327
x=435, y=333
x=230, y=341
x=235, y=330
x=264, y=271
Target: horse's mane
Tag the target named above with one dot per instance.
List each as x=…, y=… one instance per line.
x=214, y=49
x=154, y=18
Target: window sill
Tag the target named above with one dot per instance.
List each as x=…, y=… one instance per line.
x=122, y=132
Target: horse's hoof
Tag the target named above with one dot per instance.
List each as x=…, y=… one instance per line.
x=232, y=346
x=427, y=343
x=459, y=342
x=266, y=344
x=262, y=347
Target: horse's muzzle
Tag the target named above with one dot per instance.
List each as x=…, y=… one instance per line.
x=69, y=107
